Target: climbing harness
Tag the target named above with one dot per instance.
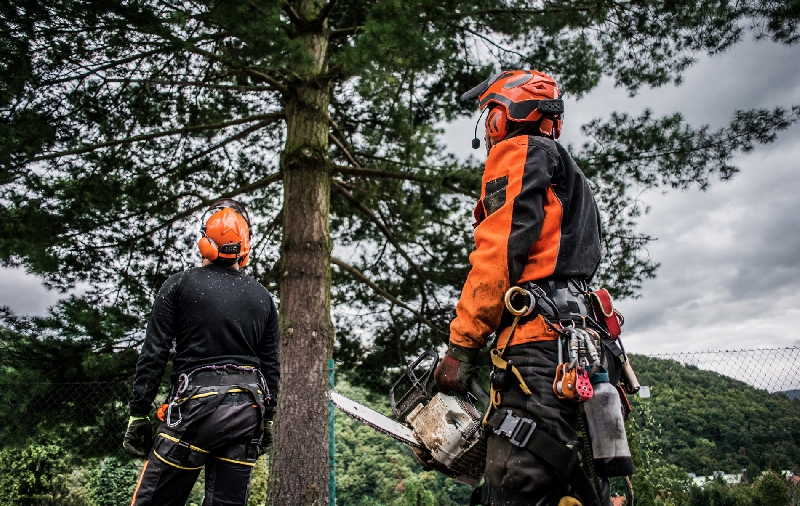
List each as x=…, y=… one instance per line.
x=179, y=432
x=185, y=383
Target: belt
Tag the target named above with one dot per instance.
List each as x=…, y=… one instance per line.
x=224, y=377
x=558, y=299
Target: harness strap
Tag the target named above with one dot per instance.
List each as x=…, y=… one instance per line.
x=501, y=364
x=522, y=433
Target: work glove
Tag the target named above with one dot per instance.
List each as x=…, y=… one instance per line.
x=454, y=372
x=138, y=437
x=266, y=438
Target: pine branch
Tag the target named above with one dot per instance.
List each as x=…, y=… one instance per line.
x=551, y=10
x=491, y=42
x=344, y=32
x=198, y=84
x=270, y=118
x=383, y=293
x=103, y=67
x=326, y=11
x=261, y=183
x=293, y=15
x=340, y=145
x=351, y=171
x=387, y=233
x=279, y=87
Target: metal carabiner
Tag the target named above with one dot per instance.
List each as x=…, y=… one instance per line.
x=183, y=384
x=168, y=418
x=517, y=290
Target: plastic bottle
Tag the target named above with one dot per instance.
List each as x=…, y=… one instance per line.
x=612, y=455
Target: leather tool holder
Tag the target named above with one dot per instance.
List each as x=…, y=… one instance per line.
x=604, y=312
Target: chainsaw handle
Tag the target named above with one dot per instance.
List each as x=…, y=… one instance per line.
x=478, y=391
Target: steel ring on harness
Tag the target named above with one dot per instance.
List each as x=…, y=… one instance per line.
x=517, y=290
x=183, y=384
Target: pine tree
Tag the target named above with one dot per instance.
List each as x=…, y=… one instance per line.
x=122, y=120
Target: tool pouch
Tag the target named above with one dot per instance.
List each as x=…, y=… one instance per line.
x=605, y=313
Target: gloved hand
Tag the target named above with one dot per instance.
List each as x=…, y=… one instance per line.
x=454, y=372
x=138, y=437
x=266, y=438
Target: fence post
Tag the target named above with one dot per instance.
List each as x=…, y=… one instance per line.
x=332, y=438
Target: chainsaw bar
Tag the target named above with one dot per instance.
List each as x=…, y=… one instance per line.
x=377, y=421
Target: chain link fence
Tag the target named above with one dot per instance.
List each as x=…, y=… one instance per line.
x=717, y=422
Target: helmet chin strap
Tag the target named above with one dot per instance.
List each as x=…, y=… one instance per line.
x=476, y=143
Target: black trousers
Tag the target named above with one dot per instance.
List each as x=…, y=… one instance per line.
x=518, y=476
x=220, y=445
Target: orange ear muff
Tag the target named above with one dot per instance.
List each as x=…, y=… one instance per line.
x=496, y=123
x=546, y=127
x=208, y=248
x=243, y=260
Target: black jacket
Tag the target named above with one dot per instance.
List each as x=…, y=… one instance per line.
x=214, y=315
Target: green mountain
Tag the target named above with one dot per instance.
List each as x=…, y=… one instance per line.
x=705, y=422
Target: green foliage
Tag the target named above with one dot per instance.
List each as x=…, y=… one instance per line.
x=113, y=480
x=373, y=469
x=39, y=475
x=705, y=422
x=258, y=482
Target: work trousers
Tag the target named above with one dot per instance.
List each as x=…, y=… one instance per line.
x=222, y=443
x=518, y=477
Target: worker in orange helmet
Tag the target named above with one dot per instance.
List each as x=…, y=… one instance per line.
x=537, y=227
x=218, y=413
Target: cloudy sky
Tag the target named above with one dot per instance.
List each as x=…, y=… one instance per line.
x=730, y=256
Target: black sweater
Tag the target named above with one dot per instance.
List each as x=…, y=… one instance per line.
x=214, y=315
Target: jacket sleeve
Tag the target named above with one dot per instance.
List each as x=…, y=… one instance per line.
x=516, y=184
x=269, y=352
x=155, y=351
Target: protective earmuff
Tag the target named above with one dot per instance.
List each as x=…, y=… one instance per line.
x=496, y=124
x=208, y=248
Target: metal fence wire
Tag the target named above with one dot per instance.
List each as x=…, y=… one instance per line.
x=714, y=419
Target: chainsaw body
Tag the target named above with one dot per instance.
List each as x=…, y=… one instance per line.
x=447, y=427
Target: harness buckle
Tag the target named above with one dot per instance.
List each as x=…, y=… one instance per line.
x=518, y=430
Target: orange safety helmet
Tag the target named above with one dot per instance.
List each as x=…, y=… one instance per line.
x=519, y=96
x=226, y=232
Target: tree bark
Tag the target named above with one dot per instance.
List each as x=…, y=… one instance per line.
x=300, y=473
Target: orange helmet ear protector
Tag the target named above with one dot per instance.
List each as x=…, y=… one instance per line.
x=496, y=124
x=520, y=96
x=225, y=232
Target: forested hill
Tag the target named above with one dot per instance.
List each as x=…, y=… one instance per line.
x=709, y=422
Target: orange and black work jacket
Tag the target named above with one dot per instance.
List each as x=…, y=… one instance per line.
x=536, y=219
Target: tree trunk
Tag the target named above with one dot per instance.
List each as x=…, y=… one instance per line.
x=300, y=473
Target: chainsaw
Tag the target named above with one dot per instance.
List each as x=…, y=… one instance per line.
x=443, y=430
